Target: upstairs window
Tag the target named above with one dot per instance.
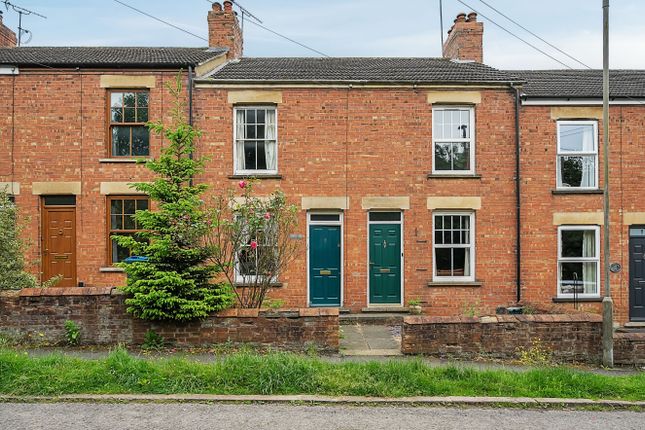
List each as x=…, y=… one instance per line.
x=121, y=222
x=577, y=154
x=453, y=140
x=256, y=148
x=129, y=135
x=578, y=261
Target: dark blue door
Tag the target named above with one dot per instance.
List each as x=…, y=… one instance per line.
x=324, y=265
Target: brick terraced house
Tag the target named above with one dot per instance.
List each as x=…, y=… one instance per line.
x=439, y=179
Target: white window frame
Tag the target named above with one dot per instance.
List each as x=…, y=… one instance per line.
x=595, y=259
x=252, y=172
x=248, y=279
x=560, y=153
x=470, y=140
x=471, y=277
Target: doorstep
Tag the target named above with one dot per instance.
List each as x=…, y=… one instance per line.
x=386, y=309
x=373, y=318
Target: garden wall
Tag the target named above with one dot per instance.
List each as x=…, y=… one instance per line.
x=38, y=315
x=571, y=337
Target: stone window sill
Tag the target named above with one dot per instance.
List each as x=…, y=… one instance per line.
x=273, y=285
x=259, y=176
x=122, y=160
x=110, y=269
x=574, y=191
x=465, y=176
x=455, y=284
x=579, y=300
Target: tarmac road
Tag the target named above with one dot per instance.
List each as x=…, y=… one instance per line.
x=178, y=416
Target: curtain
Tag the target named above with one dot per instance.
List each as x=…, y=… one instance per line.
x=239, y=135
x=588, y=163
x=589, y=277
x=270, y=145
x=467, y=262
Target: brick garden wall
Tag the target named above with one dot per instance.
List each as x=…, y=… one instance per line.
x=571, y=337
x=38, y=316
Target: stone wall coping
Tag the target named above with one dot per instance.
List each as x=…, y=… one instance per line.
x=636, y=336
x=255, y=313
x=73, y=291
x=541, y=318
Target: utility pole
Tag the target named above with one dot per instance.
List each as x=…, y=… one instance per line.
x=607, y=303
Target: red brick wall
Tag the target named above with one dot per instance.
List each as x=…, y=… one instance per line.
x=7, y=36
x=569, y=337
x=53, y=142
x=539, y=235
x=39, y=317
x=378, y=142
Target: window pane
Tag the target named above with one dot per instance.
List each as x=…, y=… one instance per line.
x=443, y=257
x=129, y=100
x=250, y=116
x=119, y=253
x=247, y=262
x=129, y=115
x=579, y=278
x=128, y=207
x=260, y=116
x=461, y=262
x=437, y=126
x=129, y=222
x=120, y=141
x=261, y=156
x=117, y=115
x=249, y=155
x=438, y=222
x=260, y=131
x=116, y=100
x=142, y=99
x=577, y=171
x=142, y=204
x=461, y=156
x=116, y=222
x=325, y=217
x=442, y=156
x=385, y=216
x=140, y=141
x=576, y=137
x=579, y=243
x=250, y=131
x=116, y=207
x=142, y=115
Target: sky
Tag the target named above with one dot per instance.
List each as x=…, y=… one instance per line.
x=395, y=28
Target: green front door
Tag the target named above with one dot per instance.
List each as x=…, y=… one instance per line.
x=324, y=265
x=385, y=263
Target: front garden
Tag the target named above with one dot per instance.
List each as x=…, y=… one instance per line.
x=285, y=373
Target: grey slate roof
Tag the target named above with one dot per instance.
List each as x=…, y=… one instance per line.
x=358, y=69
x=581, y=83
x=107, y=56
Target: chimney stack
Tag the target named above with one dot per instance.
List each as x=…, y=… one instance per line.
x=7, y=37
x=465, y=39
x=224, y=29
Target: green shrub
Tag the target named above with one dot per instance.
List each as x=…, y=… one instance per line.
x=176, y=282
x=72, y=333
x=153, y=341
x=12, y=246
x=538, y=354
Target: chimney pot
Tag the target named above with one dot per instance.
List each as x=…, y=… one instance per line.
x=224, y=29
x=465, y=39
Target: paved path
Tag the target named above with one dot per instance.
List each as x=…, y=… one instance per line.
x=77, y=416
x=370, y=340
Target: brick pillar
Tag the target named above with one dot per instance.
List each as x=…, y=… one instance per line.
x=224, y=29
x=465, y=39
x=7, y=37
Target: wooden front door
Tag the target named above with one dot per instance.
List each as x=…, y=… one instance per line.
x=59, y=244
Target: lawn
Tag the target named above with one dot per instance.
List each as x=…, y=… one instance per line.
x=283, y=373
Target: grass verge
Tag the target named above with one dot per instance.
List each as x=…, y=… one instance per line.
x=283, y=373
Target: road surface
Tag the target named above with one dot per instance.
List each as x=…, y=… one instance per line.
x=177, y=416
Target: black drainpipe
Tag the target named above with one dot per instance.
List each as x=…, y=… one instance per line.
x=190, y=107
x=518, y=201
